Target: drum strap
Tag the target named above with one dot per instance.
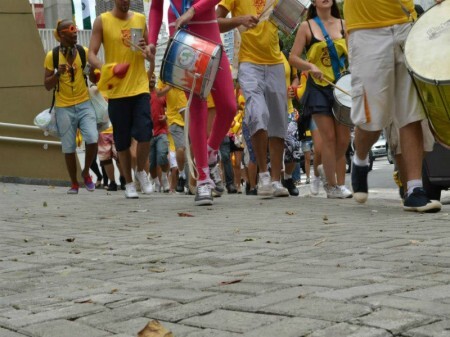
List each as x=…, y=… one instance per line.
x=186, y=4
x=336, y=63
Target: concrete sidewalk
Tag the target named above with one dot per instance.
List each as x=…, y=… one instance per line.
x=97, y=264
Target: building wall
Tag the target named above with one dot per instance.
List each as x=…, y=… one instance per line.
x=22, y=97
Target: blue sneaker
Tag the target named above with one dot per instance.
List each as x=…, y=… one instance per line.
x=418, y=201
x=90, y=186
x=359, y=182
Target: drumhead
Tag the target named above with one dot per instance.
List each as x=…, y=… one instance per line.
x=345, y=82
x=427, y=47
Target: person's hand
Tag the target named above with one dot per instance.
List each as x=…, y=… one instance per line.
x=162, y=118
x=143, y=46
x=291, y=91
x=150, y=52
x=185, y=18
x=62, y=68
x=315, y=72
x=248, y=21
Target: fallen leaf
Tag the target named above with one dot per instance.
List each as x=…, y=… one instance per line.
x=154, y=329
x=290, y=213
x=301, y=296
x=224, y=283
x=44, y=204
x=25, y=240
x=319, y=242
x=70, y=239
x=249, y=239
x=414, y=242
x=325, y=218
x=138, y=211
x=84, y=301
x=157, y=270
x=30, y=253
x=114, y=290
x=183, y=214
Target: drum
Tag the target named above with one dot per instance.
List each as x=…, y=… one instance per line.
x=343, y=102
x=190, y=56
x=427, y=54
x=287, y=14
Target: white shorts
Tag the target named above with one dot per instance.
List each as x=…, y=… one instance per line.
x=382, y=89
x=393, y=137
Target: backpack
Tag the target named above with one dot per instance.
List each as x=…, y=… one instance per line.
x=55, y=55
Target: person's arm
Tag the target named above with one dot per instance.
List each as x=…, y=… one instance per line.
x=227, y=24
x=163, y=92
x=95, y=43
x=154, y=25
x=51, y=77
x=295, y=59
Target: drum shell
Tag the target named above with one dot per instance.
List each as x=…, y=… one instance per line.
x=288, y=14
x=342, y=108
x=188, y=57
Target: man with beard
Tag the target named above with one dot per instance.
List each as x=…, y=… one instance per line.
x=129, y=99
x=73, y=108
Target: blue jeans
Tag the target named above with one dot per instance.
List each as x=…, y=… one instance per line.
x=159, y=149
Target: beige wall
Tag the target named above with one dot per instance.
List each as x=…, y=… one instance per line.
x=22, y=97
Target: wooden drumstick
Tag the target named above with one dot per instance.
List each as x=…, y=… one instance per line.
x=136, y=46
x=266, y=9
x=337, y=87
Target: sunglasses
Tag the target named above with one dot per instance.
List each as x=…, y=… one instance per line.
x=70, y=29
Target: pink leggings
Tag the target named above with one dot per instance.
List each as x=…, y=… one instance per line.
x=225, y=102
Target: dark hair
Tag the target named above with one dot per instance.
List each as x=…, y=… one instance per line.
x=312, y=11
x=60, y=24
x=419, y=10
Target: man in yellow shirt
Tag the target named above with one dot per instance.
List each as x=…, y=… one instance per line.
x=129, y=99
x=261, y=77
x=382, y=90
x=73, y=107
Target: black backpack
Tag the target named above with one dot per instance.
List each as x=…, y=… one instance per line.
x=55, y=55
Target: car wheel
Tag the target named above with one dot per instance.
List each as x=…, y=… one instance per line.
x=433, y=191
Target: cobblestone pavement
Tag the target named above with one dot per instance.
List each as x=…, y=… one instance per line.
x=97, y=264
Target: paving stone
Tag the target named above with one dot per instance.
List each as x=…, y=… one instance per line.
x=317, y=308
x=348, y=330
x=432, y=293
x=438, y=329
x=353, y=292
x=63, y=328
x=232, y=321
x=9, y=333
x=289, y=327
x=393, y=320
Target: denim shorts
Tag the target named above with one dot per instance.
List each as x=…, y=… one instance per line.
x=130, y=117
x=69, y=119
x=306, y=145
x=159, y=149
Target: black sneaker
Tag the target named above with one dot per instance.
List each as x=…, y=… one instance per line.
x=122, y=183
x=180, y=185
x=252, y=191
x=203, y=195
x=290, y=185
x=418, y=201
x=231, y=189
x=112, y=186
x=359, y=183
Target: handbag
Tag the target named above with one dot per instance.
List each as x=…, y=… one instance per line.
x=100, y=107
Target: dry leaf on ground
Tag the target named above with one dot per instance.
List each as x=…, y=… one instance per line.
x=183, y=214
x=224, y=283
x=154, y=329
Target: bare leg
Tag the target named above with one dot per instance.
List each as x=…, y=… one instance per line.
x=71, y=164
x=91, y=154
x=411, y=140
x=259, y=143
x=276, y=147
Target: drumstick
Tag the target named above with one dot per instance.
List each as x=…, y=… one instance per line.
x=136, y=46
x=337, y=87
x=266, y=9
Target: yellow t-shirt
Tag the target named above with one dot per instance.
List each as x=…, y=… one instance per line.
x=260, y=44
x=70, y=93
x=318, y=54
x=116, y=34
x=370, y=14
x=287, y=72
x=175, y=101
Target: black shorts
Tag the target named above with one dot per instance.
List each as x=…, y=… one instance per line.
x=318, y=99
x=130, y=117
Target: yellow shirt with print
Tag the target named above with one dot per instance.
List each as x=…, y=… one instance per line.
x=70, y=93
x=370, y=14
x=318, y=54
x=260, y=44
x=116, y=37
x=175, y=101
x=287, y=72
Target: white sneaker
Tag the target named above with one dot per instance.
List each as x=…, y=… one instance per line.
x=345, y=191
x=265, y=188
x=315, y=185
x=130, y=191
x=146, y=186
x=165, y=183
x=334, y=192
x=279, y=190
x=322, y=175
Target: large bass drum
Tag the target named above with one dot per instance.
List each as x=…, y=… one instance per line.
x=427, y=53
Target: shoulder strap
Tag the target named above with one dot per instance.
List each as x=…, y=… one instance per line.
x=82, y=54
x=55, y=57
x=335, y=62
